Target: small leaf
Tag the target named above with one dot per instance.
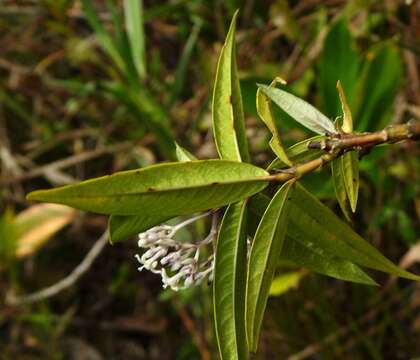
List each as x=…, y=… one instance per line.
x=299, y=153
x=285, y=282
x=265, y=112
x=347, y=118
x=340, y=187
x=183, y=154
x=303, y=112
x=229, y=283
x=350, y=168
x=133, y=11
x=227, y=109
x=265, y=250
x=164, y=190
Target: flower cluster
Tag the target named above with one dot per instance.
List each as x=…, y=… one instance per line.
x=177, y=262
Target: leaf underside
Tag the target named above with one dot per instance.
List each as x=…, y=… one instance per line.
x=164, y=190
x=227, y=110
x=229, y=283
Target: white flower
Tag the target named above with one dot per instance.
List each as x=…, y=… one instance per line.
x=177, y=262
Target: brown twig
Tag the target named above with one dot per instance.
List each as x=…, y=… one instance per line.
x=337, y=145
x=391, y=134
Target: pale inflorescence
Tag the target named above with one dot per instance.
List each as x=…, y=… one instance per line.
x=178, y=263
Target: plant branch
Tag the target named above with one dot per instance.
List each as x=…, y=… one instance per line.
x=337, y=145
x=390, y=134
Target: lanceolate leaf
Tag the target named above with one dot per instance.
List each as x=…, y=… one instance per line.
x=265, y=250
x=309, y=255
x=227, y=110
x=350, y=168
x=164, y=190
x=299, y=153
x=313, y=222
x=303, y=112
x=123, y=227
x=340, y=187
x=266, y=114
x=229, y=283
x=346, y=168
x=347, y=118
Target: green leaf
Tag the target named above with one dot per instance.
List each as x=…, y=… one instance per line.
x=285, y=282
x=350, y=168
x=227, y=109
x=229, y=283
x=377, y=92
x=339, y=60
x=133, y=10
x=123, y=227
x=340, y=187
x=313, y=222
x=265, y=112
x=305, y=253
x=303, y=112
x=183, y=154
x=347, y=117
x=299, y=153
x=265, y=250
x=164, y=190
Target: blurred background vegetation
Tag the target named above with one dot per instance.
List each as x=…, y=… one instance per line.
x=87, y=90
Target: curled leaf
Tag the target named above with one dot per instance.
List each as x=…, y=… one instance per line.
x=265, y=112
